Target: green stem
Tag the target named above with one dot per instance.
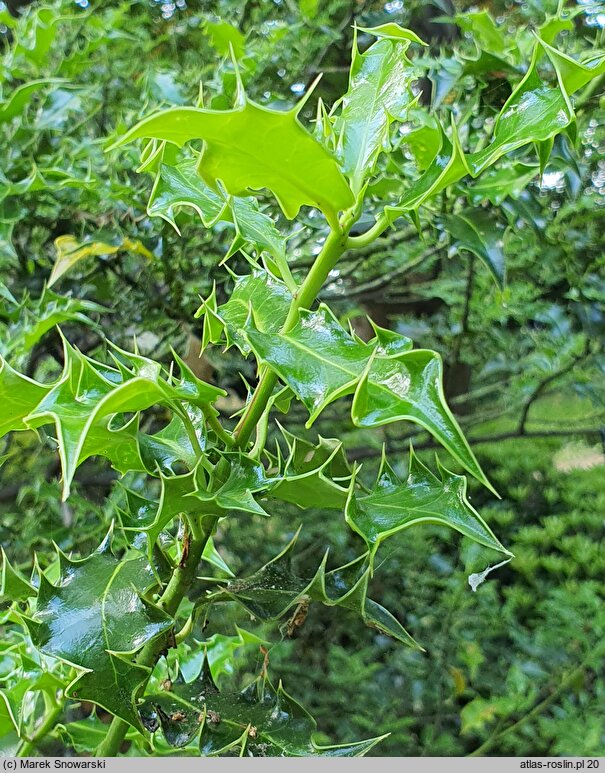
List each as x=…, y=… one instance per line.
x=28, y=746
x=211, y=421
x=190, y=430
x=179, y=584
x=363, y=240
x=217, y=427
x=262, y=429
x=333, y=248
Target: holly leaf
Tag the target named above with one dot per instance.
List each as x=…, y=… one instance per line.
x=31, y=321
x=259, y=721
x=313, y=475
x=483, y=28
x=19, y=395
x=246, y=477
x=171, y=447
x=321, y=362
x=395, y=504
x=80, y=620
x=255, y=227
x=252, y=147
x=85, y=735
x=574, y=74
x=24, y=675
x=447, y=167
x=499, y=183
x=379, y=88
x=480, y=233
x=196, y=493
x=176, y=496
x=88, y=396
x=181, y=186
x=393, y=31
x=225, y=38
x=19, y=99
x=13, y=586
x=274, y=589
x=534, y=113
x=258, y=301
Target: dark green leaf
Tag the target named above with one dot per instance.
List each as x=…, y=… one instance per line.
x=321, y=362
x=396, y=504
x=13, y=586
x=480, y=233
x=260, y=721
x=273, y=590
x=313, y=475
x=81, y=621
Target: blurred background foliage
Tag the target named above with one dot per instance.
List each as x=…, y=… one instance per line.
x=515, y=668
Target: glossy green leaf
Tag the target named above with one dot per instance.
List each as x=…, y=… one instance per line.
x=574, y=74
x=392, y=31
x=395, y=504
x=257, y=301
x=477, y=231
x=556, y=24
x=84, y=735
x=448, y=166
x=320, y=361
x=498, y=183
x=167, y=450
x=81, y=621
x=485, y=64
x=225, y=37
x=181, y=186
x=196, y=493
x=379, y=88
x=28, y=680
x=486, y=32
x=313, y=475
x=19, y=396
x=246, y=478
x=253, y=227
x=317, y=359
x=260, y=721
x=9, y=737
x=152, y=516
x=85, y=399
x=13, y=586
x=422, y=136
x=534, y=113
x=212, y=556
x=7, y=248
x=31, y=321
x=275, y=589
x=252, y=147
